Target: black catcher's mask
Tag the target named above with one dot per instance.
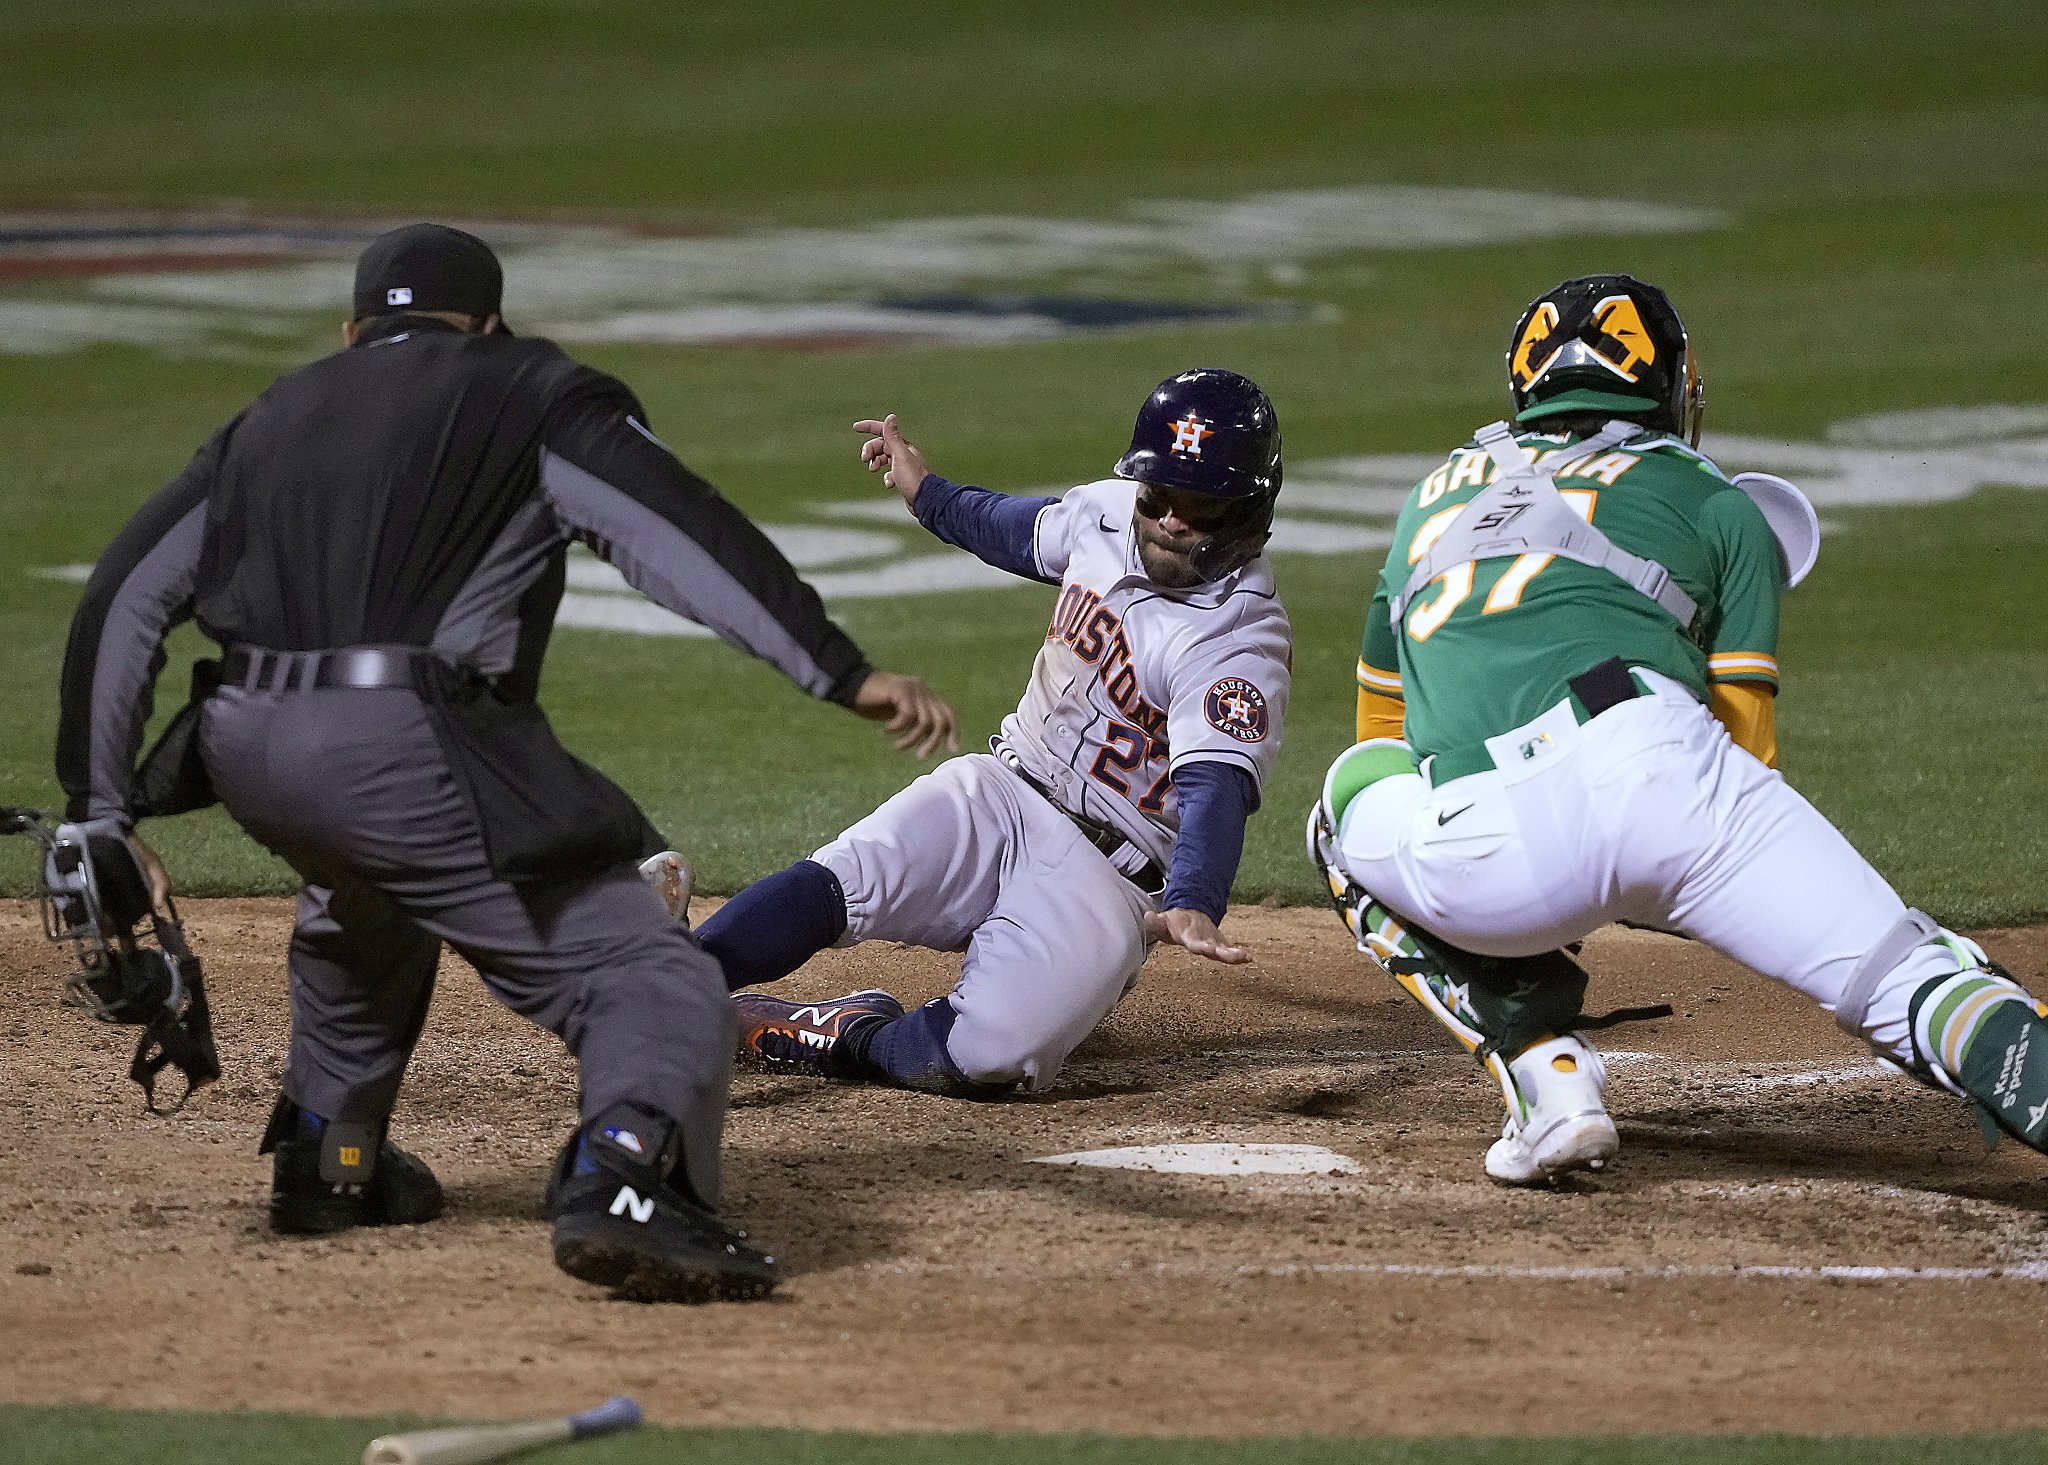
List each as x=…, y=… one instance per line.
x=1606, y=344
x=134, y=967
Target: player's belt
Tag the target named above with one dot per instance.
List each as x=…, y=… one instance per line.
x=255, y=669
x=1106, y=838
x=1590, y=693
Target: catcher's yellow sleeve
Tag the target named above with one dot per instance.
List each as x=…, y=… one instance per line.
x=1379, y=715
x=1749, y=710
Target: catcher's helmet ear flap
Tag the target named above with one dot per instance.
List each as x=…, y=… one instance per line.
x=1608, y=344
x=1212, y=432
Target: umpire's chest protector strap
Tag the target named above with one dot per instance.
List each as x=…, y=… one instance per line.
x=1521, y=512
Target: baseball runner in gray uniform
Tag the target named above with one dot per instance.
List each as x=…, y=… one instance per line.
x=1110, y=811
x=378, y=543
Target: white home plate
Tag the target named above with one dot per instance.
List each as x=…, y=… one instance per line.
x=1218, y=1159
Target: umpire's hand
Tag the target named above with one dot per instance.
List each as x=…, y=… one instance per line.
x=906, y=706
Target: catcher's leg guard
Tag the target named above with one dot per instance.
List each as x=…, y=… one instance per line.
x=1975, y=1032
x=1498, y=1008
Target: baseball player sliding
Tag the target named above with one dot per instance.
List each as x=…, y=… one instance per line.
x=1110, y=812
x=1565, y=715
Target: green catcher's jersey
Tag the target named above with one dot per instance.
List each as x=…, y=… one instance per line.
x=1489, y=645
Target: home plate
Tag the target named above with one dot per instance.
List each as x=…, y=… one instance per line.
x=1217, y=1159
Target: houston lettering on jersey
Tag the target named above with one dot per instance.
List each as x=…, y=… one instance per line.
x=1096, y=634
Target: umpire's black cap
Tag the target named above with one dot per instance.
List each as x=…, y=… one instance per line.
x=428, y=267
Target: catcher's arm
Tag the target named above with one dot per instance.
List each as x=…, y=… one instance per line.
x=1749, y=710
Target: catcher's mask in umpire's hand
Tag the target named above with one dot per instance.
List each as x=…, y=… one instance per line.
x=134, y=967
x=1214, y=433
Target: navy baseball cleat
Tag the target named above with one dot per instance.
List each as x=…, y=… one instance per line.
x=808, y=1036
x=625, y=1218
x=330, y=1176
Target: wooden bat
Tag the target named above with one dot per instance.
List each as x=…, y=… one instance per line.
x=472, y=1444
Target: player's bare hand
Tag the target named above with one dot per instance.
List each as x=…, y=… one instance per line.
x=888, y=452
x=1196, y=932
x=920, y=717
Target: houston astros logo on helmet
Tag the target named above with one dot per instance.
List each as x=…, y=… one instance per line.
x=1237, y=707
x=1188, y=434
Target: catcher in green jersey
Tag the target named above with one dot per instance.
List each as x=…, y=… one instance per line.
x=1566, y=718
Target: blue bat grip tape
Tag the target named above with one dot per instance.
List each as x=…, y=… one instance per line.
x=618, y=1412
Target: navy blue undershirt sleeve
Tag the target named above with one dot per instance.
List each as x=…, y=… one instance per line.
x=996, y=528
x=1215, y=800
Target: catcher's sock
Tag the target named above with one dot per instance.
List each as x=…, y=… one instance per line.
x=910, y=1052
x=776, y=924
x=1987, y=1033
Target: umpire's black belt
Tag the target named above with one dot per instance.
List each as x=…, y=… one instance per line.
x=254, y=669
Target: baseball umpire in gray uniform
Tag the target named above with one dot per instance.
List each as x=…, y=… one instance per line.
x=377, y=543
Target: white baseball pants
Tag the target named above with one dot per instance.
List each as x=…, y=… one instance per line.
x=971, y=858
x=1647, y=813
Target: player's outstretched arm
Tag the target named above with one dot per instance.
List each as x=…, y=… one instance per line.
x=1196, y=932
x=998, y=529
x=920, y=717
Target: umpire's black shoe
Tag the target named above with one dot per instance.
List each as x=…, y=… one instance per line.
x=624, y=1219
x=320, y=1183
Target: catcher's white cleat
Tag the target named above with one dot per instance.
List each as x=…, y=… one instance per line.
x=669, y=876
x=1561, y=1123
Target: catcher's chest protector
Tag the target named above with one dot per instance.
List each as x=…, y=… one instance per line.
x=1521, y=512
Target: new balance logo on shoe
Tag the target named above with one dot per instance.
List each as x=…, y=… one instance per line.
x=629, y=1200
x=818, y=1016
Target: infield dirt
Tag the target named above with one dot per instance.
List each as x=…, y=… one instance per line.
x=937, y=1279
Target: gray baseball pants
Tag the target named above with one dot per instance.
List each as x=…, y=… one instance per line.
x=350, y=788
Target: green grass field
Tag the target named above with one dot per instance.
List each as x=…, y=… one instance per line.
x=1880, y=173
x=1884, y=183
x=79, y=1436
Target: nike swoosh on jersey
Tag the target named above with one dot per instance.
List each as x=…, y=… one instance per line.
x=1103, y=523
x=1443, y=819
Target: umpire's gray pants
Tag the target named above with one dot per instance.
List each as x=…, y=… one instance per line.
x=349, y=787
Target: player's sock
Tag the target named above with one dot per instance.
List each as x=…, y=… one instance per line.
x=910, y=1052
x=776, y=924
x=1987, y=1034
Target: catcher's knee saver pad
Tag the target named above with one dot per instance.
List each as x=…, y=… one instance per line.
x=1360, y=766
x=1369, y=791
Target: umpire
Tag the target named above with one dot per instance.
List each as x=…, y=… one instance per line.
x=378, y=544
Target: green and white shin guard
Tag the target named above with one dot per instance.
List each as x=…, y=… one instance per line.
x=1976, y=1032
x=1540, y=997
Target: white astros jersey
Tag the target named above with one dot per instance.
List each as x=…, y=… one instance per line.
x=1135, y=681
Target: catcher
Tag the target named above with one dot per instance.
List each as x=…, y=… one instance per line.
x=1565, y=718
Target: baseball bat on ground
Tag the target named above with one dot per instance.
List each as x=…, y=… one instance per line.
x=472, y=1444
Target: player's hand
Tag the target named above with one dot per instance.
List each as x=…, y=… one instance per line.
x=888, y=452
x=920, y=717
x=1196, y=932
x=154, y=872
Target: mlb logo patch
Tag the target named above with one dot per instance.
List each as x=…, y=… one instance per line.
x=398, y=295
